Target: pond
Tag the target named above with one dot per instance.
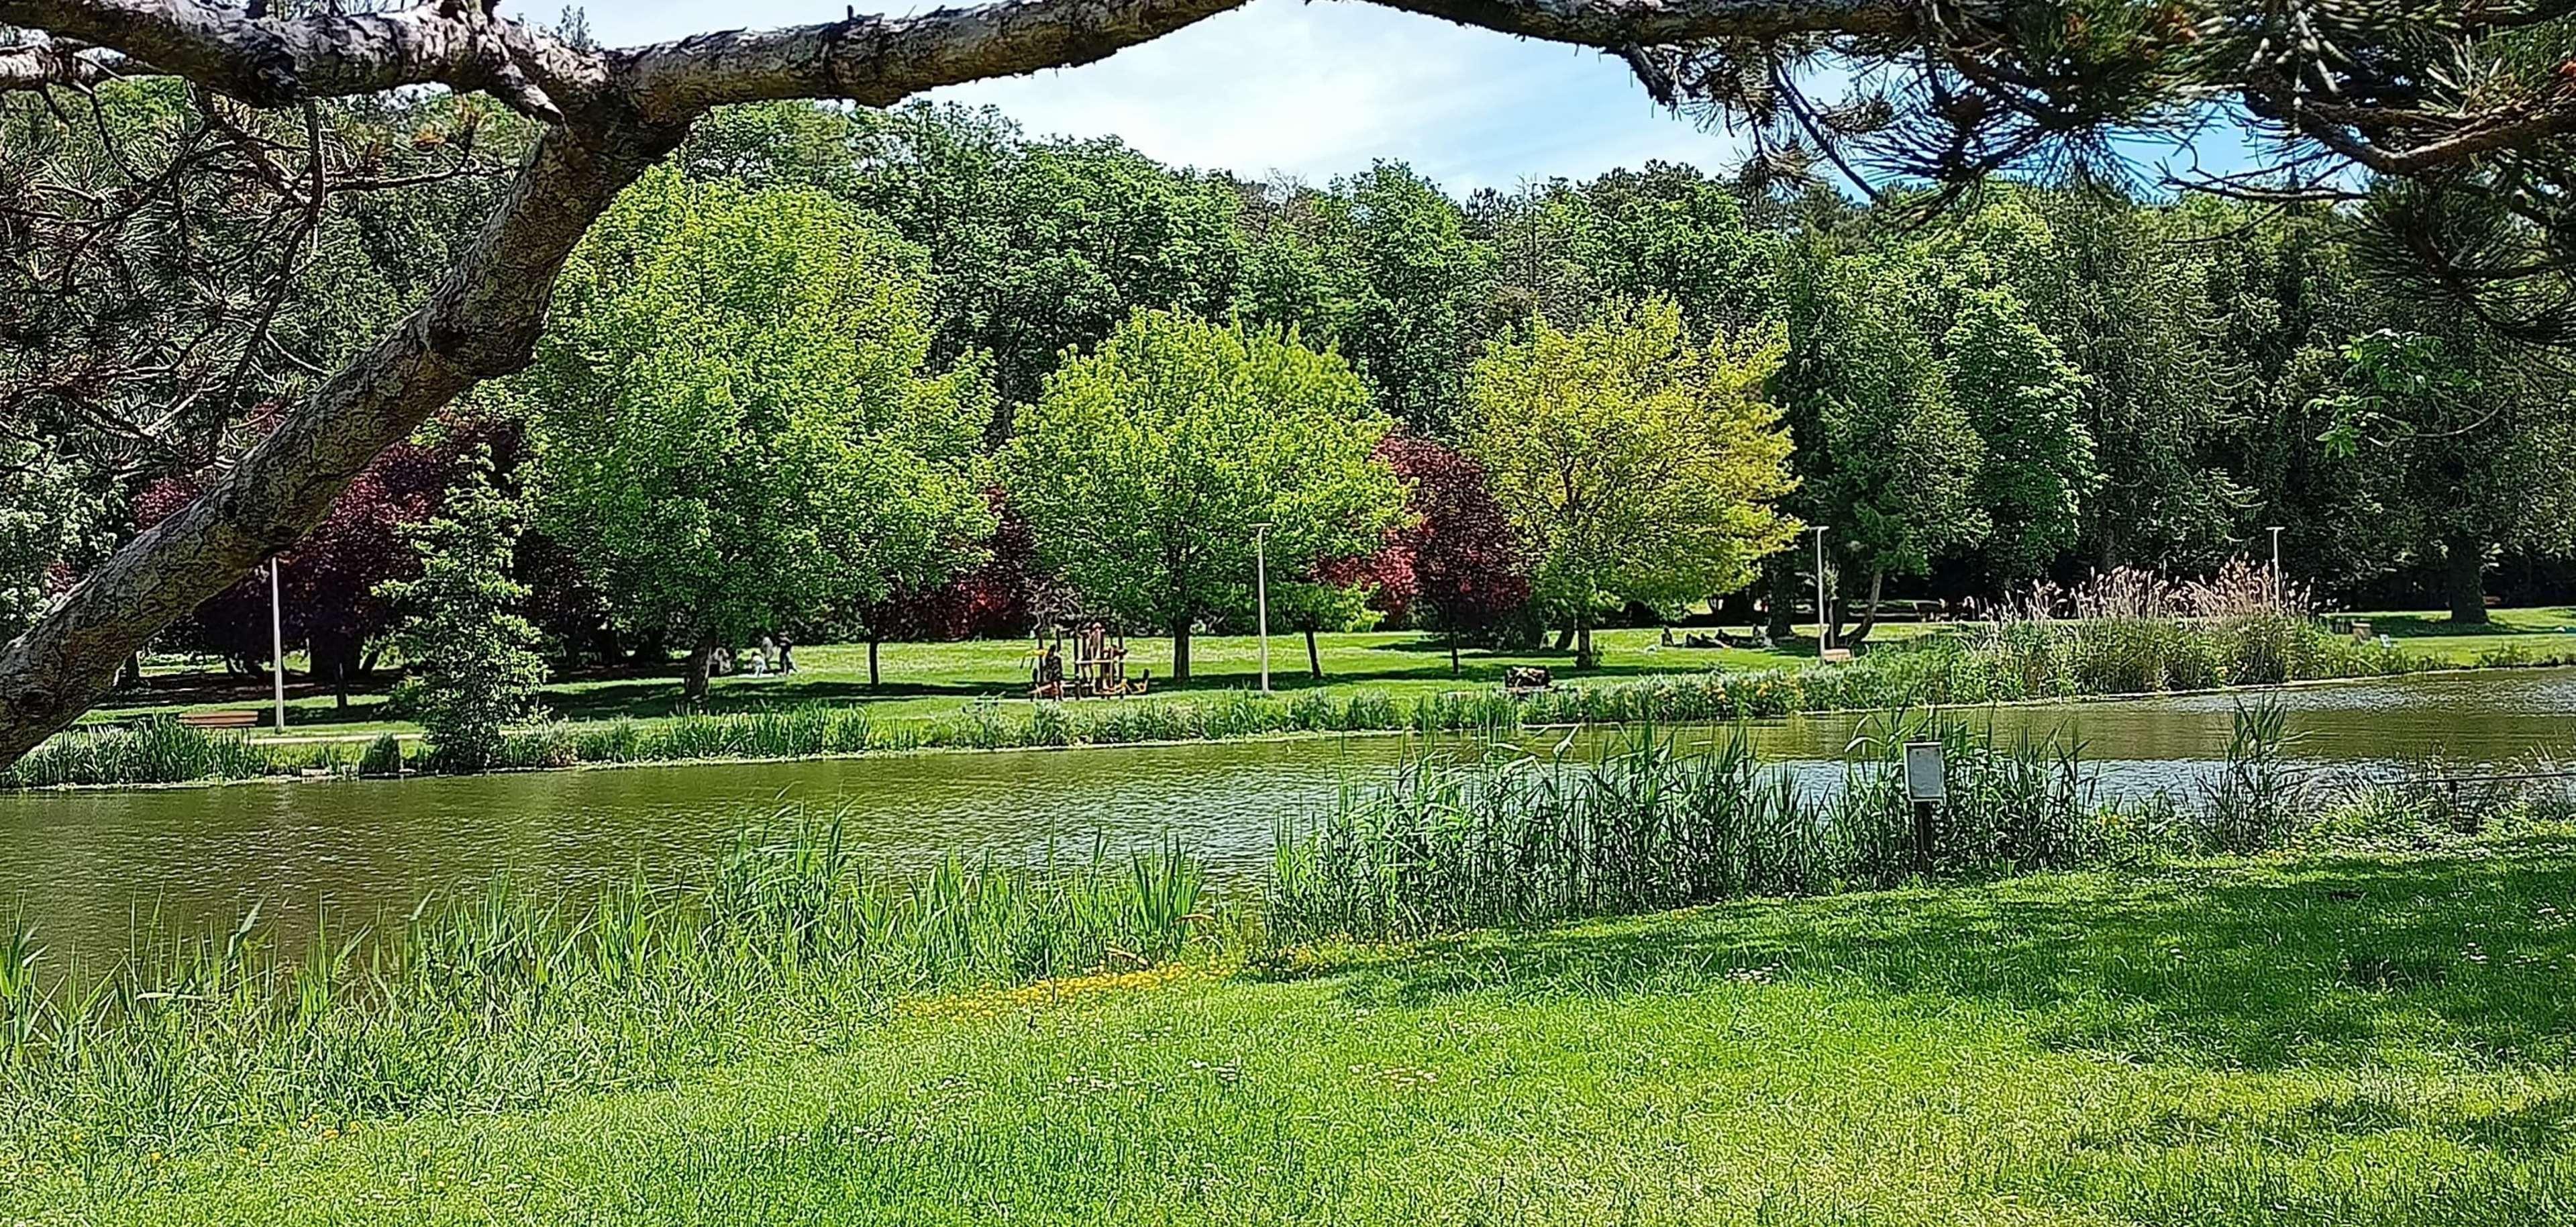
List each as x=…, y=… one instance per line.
x=87, y=869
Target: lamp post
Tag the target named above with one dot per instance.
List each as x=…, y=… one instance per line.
x=1261, y=593
x=1824, y=628
x=2277, y=589
x=277, y=644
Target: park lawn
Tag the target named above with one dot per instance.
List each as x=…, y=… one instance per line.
x=932, y=680
x=2542, y=631
x=2329, y=1040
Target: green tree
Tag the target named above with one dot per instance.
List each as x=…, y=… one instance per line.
x=733, y=416
x=47, y=518
x=1886, y=455
x=2467, y=446
x=471, y=658
x=1409, y=290
x=2027, y=403
x=1636, y=465
x=1146, y=465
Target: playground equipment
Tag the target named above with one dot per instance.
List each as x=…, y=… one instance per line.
x=1098, y=669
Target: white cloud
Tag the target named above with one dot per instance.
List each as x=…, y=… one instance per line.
x=1308, y=89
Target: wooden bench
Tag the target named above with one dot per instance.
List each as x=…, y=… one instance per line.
x=220, y=719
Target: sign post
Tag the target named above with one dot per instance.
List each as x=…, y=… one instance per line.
x=1927, y=786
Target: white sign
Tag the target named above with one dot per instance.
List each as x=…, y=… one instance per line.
x=1923, y=772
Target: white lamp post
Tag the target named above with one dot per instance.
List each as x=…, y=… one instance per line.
x=277, y=644
x=2278, y=591
x=1824, y=627
x=1261, y=593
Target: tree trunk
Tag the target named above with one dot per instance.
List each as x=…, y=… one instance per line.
x=693, y=677
x=1868, y=610
x=1584, y=656
x=1181, y=652
x=1453, y=651
x=1314, y=661
x=872, y=664
x=480, y=322
x=1565, y=638
x=1782, y=621
x=2464, y=579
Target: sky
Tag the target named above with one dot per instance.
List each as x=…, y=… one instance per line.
x=1310, y=90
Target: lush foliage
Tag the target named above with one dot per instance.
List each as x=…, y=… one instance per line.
x=471, y=654
x=733, y=419
x=1635, y=464
x=1150, y=466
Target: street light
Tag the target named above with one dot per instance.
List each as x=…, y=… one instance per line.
x=2277, y=589
x=277, y=644
x=1261, y=590
x=1824, y=629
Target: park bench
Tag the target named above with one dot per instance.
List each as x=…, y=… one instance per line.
x=220, y=719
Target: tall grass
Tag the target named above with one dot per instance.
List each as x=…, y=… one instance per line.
x=1532, y=838
x=510, y=996
x=164, y=751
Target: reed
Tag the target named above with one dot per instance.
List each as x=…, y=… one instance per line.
x=163, y=751
x=1651, y=824
x=509, y=996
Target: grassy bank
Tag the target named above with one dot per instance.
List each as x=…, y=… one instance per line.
x=515, y=1052
x=2315, y=1040
x=2023, y=661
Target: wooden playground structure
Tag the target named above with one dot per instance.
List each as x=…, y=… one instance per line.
x=1098, y=669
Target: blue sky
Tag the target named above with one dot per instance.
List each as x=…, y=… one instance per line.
x=1306, y=89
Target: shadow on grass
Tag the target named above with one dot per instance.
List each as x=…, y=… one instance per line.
x=2421, y=626
x=2251, y=967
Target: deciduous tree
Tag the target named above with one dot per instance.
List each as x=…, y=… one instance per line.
x=1146, y=466
x=1638, y=464
x=734, y=416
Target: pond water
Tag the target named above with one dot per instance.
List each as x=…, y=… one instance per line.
x=87, y=869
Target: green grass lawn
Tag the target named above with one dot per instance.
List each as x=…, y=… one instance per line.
x=2330, y=1040
x=934, y=679
x=929, y=680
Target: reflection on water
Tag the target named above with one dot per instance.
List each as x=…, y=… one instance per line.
x=89, y=867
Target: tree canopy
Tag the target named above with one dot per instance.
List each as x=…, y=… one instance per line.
x=1149, y=465
x=1637, y=464
x=735, y=417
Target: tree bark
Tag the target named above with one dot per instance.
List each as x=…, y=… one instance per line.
x=2464, y=561
x=1584, y=656
x=1314, y=662
x=1868, y=611
x=872, y=663
x=1782, y=619
x=693, y=675
x=1181, y=652
x=1453, y=651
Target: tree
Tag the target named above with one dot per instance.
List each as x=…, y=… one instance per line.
x=1886, y=456
x=470, y=654
x=1407, y=288
x=46, y=518
x=1638, y=465
x=1962, y=95
x=732, y=414
x=2027, y=403
x=2468, y=449
x=1468, y=567
x=1148, y=462
x=328, y=584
